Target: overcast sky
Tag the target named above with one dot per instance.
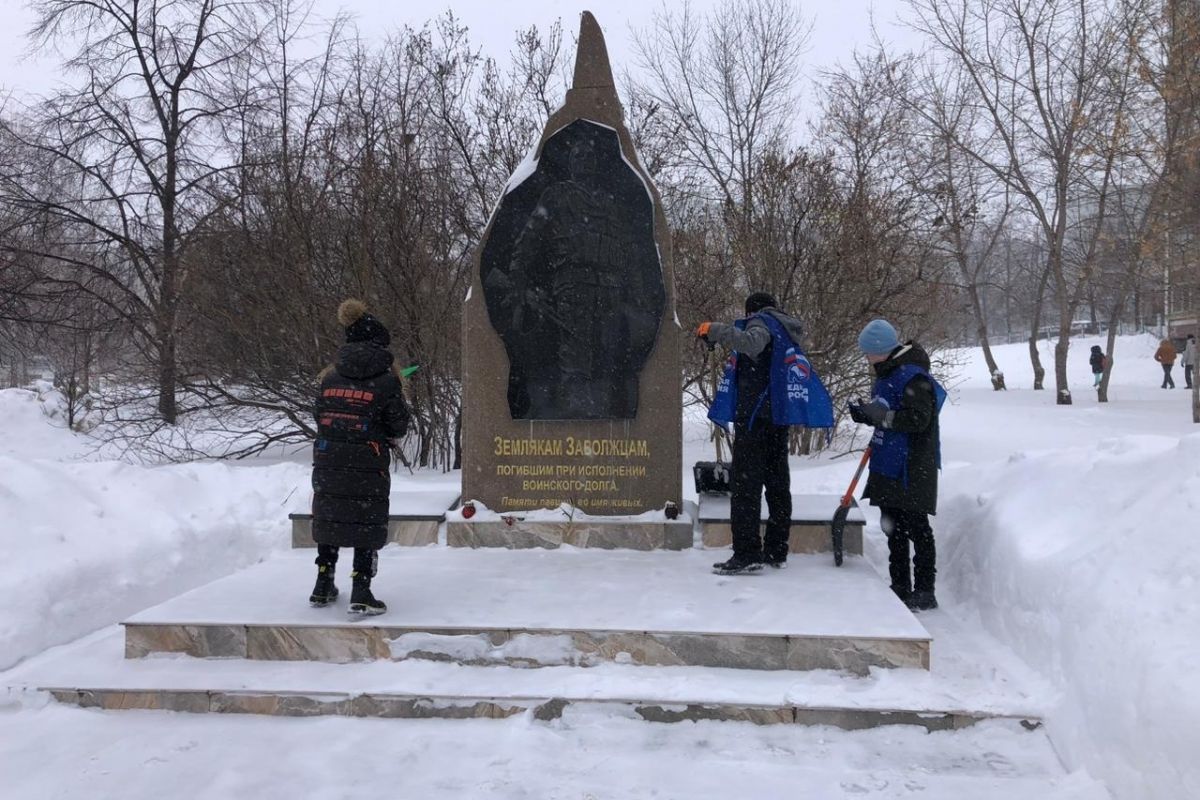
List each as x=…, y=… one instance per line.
x=840, y=26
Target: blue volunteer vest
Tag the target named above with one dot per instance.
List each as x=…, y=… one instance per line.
x=797, y=395
x=889, y=449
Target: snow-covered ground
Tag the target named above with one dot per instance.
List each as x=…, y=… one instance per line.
x=1070, y=533
x=88, y=542
x=1065, y=533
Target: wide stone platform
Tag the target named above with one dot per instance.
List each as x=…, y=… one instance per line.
x=652, y=636
x=812, y=515
x=413, y=522
x=539, y=608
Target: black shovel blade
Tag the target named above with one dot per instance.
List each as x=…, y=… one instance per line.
x=836, y=529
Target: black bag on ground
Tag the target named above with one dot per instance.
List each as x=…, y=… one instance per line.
x=712, y=477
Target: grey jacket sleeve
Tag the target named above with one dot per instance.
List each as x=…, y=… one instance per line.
x=750, y=342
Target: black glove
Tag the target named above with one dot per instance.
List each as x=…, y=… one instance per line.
x=873, y=413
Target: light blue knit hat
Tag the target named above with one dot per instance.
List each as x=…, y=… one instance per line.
x=878, y=338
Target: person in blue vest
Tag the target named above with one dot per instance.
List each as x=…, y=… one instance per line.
x=905, y=457
x=768, y=386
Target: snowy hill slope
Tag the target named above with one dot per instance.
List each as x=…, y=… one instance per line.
x=88, y=543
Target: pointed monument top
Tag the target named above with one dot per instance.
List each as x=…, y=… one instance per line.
x=592, y=70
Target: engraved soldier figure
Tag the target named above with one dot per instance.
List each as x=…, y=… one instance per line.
x=582, y=305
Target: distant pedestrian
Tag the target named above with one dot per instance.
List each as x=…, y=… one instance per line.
x=1098, y=361
x=360, y=411
x=1165, y=355
x=1189, y=360
x=905, y=457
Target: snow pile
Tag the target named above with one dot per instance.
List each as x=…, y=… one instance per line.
x=33, y=424
x=1070, y=533
x=88, y=543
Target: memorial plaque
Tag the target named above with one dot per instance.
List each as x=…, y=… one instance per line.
x=571, y=379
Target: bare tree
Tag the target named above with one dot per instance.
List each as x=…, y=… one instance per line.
x=727, y=84
x=833, y=231
x=970, y=206
x=375, y=178
x=138, y=139
x=1052, y=79
x=718, y=94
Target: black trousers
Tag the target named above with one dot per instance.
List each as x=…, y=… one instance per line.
x=1167, y=379
x=1187, y=374
x=366, y=559
x=902, y=527
x=760, y=461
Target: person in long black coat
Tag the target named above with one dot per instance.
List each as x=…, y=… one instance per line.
x=359, y=411
x=905, y=457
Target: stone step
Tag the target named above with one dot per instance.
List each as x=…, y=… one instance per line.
x=93, y=673
x=400, y=706
x=507, y=607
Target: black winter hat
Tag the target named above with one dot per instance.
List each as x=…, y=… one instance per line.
x=361, y=326
x=758, y=301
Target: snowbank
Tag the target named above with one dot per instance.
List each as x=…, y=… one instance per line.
x=1070, y=532
x=33, y=424
x=88, y=543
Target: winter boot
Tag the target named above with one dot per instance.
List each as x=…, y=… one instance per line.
x=362, y=602
x=922, y=601
x=738, y=565
x=776, y=562
x=325, y=592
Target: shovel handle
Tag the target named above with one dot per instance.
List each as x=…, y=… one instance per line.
x=848, y=498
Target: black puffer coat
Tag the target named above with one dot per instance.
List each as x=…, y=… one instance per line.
x=359, y=407
x=918, y=417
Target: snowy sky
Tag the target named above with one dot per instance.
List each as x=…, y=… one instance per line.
x=839, y=28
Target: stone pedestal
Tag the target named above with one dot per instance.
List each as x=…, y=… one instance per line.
x=812, y=515
x=594, y=533
x=413, y=522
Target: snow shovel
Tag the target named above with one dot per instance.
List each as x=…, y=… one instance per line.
x=839, y=517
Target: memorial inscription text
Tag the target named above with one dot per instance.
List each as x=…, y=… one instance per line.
x=546, y=472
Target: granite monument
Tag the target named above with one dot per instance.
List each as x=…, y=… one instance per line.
x=571, y=378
